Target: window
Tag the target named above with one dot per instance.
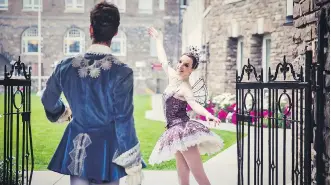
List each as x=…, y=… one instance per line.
x=266, y=48
x=31, y=5
x=146, y=6
x=3, y=4
x=289, y=11
x=118, y=44
x=240, y=55
x=74, y=42
x=161, y=4
x=152, y=49
x=74, y=5
x=184, y=2
x=121, y=4
x=30, y=41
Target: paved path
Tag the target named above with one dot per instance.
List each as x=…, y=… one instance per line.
x=221, y=169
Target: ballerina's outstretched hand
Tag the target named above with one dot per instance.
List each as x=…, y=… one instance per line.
x=154, y=33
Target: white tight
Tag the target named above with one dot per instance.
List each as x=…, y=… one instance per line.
x=187, y=161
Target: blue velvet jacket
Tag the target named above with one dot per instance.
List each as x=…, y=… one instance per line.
x=100, y=140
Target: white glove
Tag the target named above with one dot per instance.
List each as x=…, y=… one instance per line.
x=135, y=175
x=66, y=116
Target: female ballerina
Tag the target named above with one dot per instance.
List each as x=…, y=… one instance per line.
x=185, y=139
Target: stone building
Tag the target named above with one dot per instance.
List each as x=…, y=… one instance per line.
x=238, y=30
x=306, y=15
x=65, y=32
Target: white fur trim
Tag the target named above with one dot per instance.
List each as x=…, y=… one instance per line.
x=99, y=49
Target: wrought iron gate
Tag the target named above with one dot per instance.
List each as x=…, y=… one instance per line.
x=278, y=115
x=18, y=162
x=319, y=75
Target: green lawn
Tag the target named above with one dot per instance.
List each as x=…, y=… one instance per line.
x=47, y=135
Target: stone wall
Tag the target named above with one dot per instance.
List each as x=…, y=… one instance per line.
x=249, y=20
x=306, y=16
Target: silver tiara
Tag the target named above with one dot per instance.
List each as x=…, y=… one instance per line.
x=194, y=51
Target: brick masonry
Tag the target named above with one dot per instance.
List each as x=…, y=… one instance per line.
x=219, y=25
x=55, y=23
x=306, y=16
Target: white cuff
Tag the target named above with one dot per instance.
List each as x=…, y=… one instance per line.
x=135, y=175
x=134, y=169
x=128, y=158
x=66, y=116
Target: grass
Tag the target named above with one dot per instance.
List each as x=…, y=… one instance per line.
x=46, y=135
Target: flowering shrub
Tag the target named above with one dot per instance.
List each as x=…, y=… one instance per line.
x=224, y=107
x=13, y=179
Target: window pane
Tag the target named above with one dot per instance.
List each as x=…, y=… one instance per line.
x=23, y=46
x=241, y=54
x=161, y=4
x=69, y=3
x=145, y=6
x=74, y=33
x=289, y=7
x=36, y=2
x=184, y=2
x=116, y=47
x=32, y=46
x=3, y=4
x=74, y=47
x=27, y=3
x=267, y=56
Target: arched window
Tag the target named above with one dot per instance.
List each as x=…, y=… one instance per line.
x=74, y=42
x=118, y=44
x=30, y=41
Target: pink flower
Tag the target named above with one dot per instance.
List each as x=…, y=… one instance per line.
x=211, y=110
x=265, y=114
x=231, y=108
x=188, y=108
x=222, y=114
x=234, y=118
x=253, y=115
x=286, y=110
x=203, y=118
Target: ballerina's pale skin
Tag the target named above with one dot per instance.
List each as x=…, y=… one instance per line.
x=185, y=139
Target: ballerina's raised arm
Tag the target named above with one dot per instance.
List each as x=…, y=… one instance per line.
x=158, y=36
